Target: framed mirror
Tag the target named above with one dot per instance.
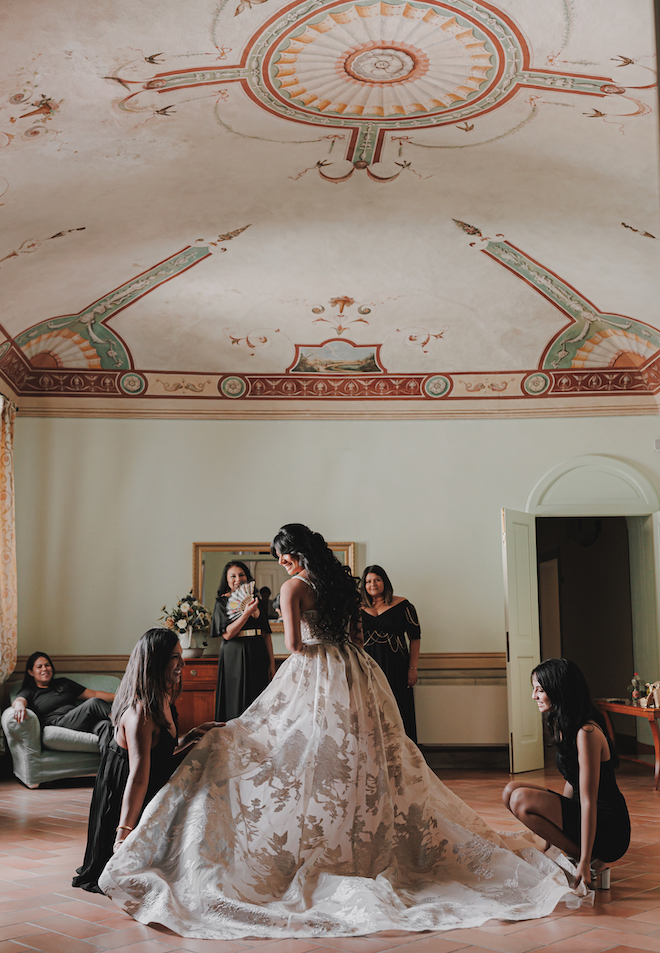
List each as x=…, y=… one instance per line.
x=209, y=559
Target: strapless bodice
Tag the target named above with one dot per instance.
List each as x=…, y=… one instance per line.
x=311, y=634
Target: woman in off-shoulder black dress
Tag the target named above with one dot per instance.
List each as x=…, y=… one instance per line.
x=386, y=621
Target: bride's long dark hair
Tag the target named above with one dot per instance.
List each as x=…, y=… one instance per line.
x=337, y=596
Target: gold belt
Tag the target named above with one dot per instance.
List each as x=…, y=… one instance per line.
x=248, y=633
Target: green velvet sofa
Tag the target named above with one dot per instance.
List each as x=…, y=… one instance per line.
x=55, y=752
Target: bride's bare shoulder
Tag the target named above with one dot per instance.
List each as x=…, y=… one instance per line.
x=296, y=587
x=292, y=584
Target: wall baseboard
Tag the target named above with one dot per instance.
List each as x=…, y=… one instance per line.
x=463, y=661
x=429, y=661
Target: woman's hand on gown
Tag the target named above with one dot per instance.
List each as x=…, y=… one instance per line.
x=119, y=840
x=196, y=733
x=583, y=873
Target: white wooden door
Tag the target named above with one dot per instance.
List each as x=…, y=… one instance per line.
x=522, y=639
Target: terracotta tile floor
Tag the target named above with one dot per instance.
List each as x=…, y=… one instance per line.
x=42, y=837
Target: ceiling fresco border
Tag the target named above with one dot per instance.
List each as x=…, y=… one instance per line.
x=595, y=356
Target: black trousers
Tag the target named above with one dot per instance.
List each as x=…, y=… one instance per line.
x=91, y=715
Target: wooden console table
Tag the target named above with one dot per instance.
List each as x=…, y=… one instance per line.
x=650, y=714
x=196, y=703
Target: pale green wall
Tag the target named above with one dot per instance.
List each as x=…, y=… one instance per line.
x=107, y=510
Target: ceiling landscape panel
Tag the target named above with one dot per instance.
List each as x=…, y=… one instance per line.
x=256, y=208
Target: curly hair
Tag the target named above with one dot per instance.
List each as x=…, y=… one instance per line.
x=144, y=680
x=223, y=588
x=337, y=596
x=388, y=591
x=572, y=705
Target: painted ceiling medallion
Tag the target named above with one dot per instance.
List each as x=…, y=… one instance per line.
x=384, y=59
x=374, y=63
x=371, y=67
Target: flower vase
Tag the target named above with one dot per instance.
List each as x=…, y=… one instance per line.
x=188, y=647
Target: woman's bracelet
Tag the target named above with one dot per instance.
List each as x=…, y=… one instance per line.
x=122, y=827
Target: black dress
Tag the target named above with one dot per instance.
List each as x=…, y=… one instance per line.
x=385, y=641
x=243, y=663
x=612, y=819
x=107, y=799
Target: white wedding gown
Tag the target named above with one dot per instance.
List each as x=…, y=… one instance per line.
x=313, y=814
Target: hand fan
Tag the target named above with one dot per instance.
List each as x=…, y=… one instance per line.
x=239, y=598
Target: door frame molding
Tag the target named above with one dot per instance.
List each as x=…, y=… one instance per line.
x=568, y=489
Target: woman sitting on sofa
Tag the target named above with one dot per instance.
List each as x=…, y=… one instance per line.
x=61, y=701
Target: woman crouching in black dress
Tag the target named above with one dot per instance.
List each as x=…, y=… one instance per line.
x=143, y=753
x=589, y=821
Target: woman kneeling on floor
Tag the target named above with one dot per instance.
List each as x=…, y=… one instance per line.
x=589, y=821
x=145, y=749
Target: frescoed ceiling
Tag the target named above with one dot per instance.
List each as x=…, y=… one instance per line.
x=329, y=207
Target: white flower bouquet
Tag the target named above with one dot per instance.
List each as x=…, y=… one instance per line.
x=187, y=617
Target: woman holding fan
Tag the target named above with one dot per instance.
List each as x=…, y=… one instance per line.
x=246, y=662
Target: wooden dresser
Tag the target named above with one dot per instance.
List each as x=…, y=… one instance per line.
x=196, y=703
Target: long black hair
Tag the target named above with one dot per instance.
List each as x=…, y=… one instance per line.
x=144, y=681
x=28, y=680
x=223, y=588
x=572, y=705
x=388, y=591
x=337, y=596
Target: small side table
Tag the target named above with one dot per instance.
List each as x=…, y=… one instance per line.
x=650, y=714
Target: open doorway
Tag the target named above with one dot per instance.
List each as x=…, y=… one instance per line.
x=588, y=490
x=585, y=604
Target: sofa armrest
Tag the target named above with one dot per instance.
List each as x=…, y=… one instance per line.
x=26, y=735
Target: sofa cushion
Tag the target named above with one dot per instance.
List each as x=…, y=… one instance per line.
x=65, y=739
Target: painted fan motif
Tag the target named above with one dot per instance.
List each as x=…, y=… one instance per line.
x=61, y=348
x=239, y=599
x=614, y=347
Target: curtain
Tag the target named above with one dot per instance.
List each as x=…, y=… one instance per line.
x=8, y=614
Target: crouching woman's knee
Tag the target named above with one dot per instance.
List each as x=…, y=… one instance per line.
x=510, y=794
x=516, y=799
x=506, y=794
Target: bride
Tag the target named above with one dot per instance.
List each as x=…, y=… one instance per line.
x=313, y=814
